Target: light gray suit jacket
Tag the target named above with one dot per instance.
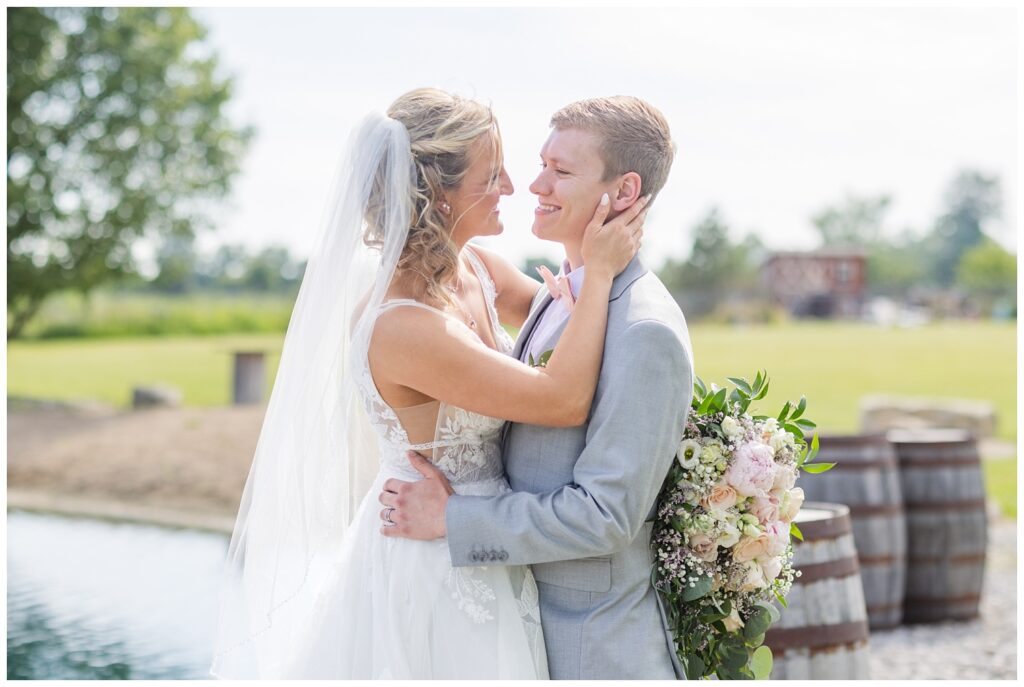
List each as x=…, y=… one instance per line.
x=582, y=495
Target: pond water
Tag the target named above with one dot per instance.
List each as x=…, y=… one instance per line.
x=90, y=599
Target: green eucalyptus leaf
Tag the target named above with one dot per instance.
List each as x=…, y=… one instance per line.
x=785, y=411
x=761, y=663
x=781, y=599
x=693, y=666
x=815, y=468
x=700, y=589
x=757, y=624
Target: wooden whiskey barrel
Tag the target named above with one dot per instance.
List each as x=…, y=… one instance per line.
x=866, y=478
x=944, y=497
x=823, y=634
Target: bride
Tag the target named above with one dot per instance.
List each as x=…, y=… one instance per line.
x=313, y=589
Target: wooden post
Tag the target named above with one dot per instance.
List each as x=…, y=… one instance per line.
x=248, y=378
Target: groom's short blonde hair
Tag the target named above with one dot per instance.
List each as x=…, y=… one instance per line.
x=634, y=136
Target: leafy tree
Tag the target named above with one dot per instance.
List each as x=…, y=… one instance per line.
x=856, y=221
x=988, y=272
x=971, y=199
x=715, y=268
x=116, y=131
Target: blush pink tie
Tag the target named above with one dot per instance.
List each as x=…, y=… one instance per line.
x=559, y=288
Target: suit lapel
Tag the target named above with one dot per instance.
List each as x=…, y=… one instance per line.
x=531, y=322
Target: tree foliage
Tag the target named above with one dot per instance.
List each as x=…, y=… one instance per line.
x=716, y=268
x=857, y=221
x=116, y=130
x=971, y=199
x=988, y=271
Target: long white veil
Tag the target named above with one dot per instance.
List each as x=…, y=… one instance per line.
x=317, y=453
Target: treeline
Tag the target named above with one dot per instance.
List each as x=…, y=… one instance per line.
x=953, y=260
x=232, y=268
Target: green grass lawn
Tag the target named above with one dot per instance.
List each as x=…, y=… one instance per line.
x=834, y=365
x=1001, y=484
x=107, y=369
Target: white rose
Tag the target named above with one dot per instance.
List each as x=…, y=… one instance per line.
x=732, y=621
x=730, y=534
x=771, y=565
x=780, y=441
x=785, y=478
x=732, y=427
x=710, y=454
x=754, y=579
x=791, y=502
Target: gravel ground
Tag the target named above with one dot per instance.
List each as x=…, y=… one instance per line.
x=985, y=648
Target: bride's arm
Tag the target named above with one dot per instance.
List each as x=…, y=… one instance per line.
x=515, y=290
x=443, y=359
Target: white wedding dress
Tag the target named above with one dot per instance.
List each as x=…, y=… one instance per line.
x=392, y=608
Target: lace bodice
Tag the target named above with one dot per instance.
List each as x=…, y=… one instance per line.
x=466, y=446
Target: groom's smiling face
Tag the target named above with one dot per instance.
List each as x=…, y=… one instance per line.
x=569, y=185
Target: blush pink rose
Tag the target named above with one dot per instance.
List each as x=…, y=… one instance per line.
x=766, y=508
x=752, y=471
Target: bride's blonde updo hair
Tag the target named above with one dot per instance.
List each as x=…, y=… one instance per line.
x=442, y=128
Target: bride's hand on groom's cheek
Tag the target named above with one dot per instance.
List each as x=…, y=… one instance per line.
x=610, y=245
x=415, y=510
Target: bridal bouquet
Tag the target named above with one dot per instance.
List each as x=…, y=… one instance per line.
x=722, y=533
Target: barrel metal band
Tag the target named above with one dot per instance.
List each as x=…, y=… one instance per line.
x=943, y=505
x=816, y=636
x=882, y=463
x=869, y=509
x=938, y=600
x=877, y=560
x=931, y=461
x=962, y=558
x=828, y=528
x=841, y=567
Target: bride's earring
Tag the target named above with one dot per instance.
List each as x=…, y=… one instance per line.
x=445, y=208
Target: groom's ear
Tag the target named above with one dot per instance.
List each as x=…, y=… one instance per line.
x=628, y=192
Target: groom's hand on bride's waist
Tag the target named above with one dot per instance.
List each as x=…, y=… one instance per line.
x=415, y=510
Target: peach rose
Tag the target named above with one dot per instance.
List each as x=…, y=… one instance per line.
x=722, y=497
x=703, y=547
x=749, y=548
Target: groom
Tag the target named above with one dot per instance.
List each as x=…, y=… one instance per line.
x=583, y=496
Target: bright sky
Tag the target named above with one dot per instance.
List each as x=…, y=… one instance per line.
x=776, y=112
